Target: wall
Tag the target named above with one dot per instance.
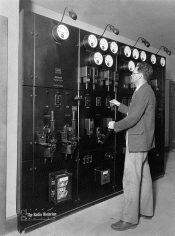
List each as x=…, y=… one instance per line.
x=10, y=9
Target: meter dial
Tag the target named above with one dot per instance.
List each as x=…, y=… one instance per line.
x=131, y=66
x=90, y=41
x=143, y=56
x=113, y=47
x=108, y=61
x=125, y=51
x=60, y=33
x=103, y=43
x=153, y=59
x=128, y=66
x=161, y=61
x=135, y=53
x=96, y=58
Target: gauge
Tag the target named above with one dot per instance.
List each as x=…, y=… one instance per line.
x=161, y=61
x=108, y=60
x=125, y=51
x=103, y=43
x=131, y=66
x=60, y=33
x=153, y=59
x=143, y=55
x=96, y=58
x=135, y=53
x=128, y=66
x=113, y=47
x=90, y=41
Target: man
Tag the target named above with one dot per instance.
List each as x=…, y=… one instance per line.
x=140, y=126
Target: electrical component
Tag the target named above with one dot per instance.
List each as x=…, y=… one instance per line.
x=103, y=44
x=101, y=175
x=125, y=51
x=60, y=186
x=143, y=56
x=113, y=46
x=90, y=41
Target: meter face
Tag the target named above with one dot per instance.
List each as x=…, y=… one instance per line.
x=96, y=58
x=114, y=47
x=135, y=53
x=153, y=59
x=108, y=61
x=127, y=51
x=143, y=55
x=92, y=41
x=103, y=43
x=162, y=61
x=62, y=32
x=131, y=66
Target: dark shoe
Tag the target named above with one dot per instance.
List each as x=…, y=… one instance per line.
x=122, y=225
x=146, y=217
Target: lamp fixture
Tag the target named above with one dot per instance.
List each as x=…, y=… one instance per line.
x=165, y=49
x=72, y=14
x=60, y=32
x=112, y=28
x=147, y=44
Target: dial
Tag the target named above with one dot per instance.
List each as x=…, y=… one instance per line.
x=103, y=43
x=114, y=47
x=135, y=53
x=90, y=41
x=127, y=51
x=108, y=60
x=153, y=59
x=131, y=66
x=60, y=33
x=162, y=61
x=96, y=58
x=143, y=55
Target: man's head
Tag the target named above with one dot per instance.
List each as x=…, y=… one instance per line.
x=141, y=73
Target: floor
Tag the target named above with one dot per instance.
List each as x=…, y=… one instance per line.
x=96, y=220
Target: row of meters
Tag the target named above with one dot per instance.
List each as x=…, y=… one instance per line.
x=61, y=32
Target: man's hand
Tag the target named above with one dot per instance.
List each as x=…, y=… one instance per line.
x=111, y=124
x=114, y=102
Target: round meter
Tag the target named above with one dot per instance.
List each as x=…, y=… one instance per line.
x=161, y=61
x=143, y=56
x=96, y=58
x=90, y=41
x=135, y=53
x=60, y=33
x=153, y=59
x=131, y=66
x=125, y=51
x=113, y=47
x=108, y=60
x=128, y=66
x=103, y=44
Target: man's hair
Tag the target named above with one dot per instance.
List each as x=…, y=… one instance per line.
x=145, y=69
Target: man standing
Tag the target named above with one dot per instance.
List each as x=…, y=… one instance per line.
x=140, y=126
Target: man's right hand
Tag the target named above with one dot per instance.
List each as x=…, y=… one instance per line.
x=114, y=102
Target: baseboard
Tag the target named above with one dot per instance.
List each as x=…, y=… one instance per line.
x=9, y=225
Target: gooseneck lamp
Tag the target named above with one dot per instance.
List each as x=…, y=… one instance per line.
x=72, y=14
x=112, y=28
x=147, y=44
x=165, y=49
x=60, y=32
